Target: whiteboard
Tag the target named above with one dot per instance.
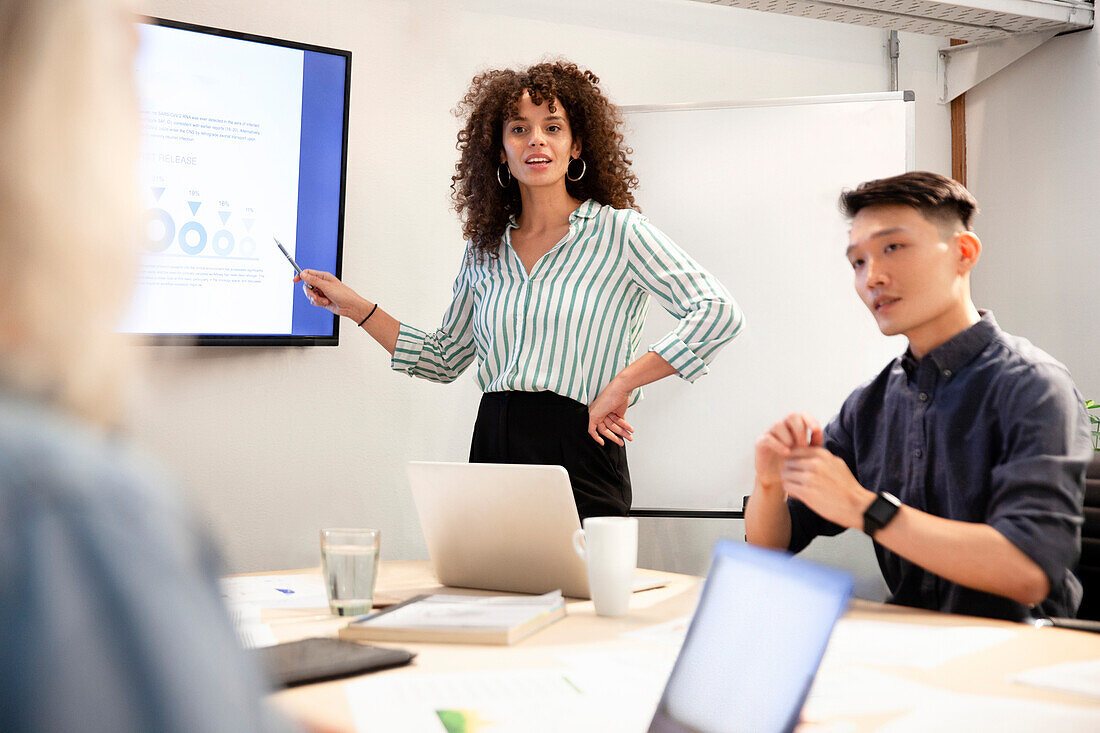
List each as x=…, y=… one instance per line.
x=750, y=189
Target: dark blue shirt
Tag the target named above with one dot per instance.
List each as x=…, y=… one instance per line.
x=986, y=428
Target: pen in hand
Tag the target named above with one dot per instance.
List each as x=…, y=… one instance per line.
x=292, y=262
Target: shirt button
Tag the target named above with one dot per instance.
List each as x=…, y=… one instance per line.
x=918, y=453
x=947, y=373
x=923, y=396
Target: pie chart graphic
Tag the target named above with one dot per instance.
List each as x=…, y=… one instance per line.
x=192, y=245
x=160, y=230
x=222, y=242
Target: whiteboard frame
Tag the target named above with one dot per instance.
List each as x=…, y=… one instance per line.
x=900, y=96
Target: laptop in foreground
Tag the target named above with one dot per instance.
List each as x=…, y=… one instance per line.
x=754, y=644
x=505, y=527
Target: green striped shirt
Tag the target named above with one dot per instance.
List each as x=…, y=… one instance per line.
x=576, y=321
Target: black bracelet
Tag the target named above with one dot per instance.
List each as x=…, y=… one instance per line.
x=372, y=310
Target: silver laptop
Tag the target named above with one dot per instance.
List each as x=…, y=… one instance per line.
x=754, y=644
x=506, y=527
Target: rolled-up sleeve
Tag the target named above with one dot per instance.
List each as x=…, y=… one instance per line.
x=709, y=317
x=442, y=355
x=1038, y=490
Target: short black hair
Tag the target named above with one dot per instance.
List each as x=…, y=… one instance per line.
x=938, y=198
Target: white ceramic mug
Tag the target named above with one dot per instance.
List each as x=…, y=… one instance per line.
x=609, y=547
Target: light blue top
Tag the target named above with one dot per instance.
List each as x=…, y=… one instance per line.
x=110, y=614
x=576, y=320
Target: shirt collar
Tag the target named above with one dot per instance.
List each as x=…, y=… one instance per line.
x=587, y=210
x=960, y=349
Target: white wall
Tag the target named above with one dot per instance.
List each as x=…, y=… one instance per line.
x=272, y=444
x=686, y=545
x=1034, y=166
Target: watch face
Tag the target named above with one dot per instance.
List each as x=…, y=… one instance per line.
x=881, y=511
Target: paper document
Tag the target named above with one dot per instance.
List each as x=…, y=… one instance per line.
x=670, y=633
x=630, y=680
x=454, y=611
x=276, y=591
x=986, y=713
x=1077, y=678
x=528, y=700
x=907, y=645
x=853, y=691
x=842, y=693
x=251, y=632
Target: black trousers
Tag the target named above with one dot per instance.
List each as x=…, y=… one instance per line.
x=546, y=428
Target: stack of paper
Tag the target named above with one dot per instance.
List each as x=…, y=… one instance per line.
x=251, y=632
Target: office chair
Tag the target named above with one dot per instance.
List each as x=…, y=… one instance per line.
x=1088, y=568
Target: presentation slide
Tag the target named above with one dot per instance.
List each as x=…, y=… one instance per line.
x=223, y=141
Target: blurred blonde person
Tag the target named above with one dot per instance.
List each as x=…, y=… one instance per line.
x=110, y=615
x=68, y=147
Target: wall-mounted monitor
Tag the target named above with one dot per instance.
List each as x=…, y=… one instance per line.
x=244, y=142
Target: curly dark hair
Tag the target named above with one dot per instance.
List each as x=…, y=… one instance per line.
x=492, y=99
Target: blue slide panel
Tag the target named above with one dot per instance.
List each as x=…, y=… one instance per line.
x=319, y=175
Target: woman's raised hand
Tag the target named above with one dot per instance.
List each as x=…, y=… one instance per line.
x=329, y=293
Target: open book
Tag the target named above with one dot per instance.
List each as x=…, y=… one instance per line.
x=460, y=619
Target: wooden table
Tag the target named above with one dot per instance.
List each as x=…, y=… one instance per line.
x=982, y=673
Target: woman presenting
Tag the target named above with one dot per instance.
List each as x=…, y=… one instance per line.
x=554, y=286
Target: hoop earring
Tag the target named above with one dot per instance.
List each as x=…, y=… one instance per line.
x=584, y=169
x=507, y=173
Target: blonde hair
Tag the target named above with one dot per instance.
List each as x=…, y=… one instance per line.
x=68, y=200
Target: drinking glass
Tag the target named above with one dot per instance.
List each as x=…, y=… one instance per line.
x=349, y=563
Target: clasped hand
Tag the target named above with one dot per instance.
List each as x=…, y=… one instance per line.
x=791, y=456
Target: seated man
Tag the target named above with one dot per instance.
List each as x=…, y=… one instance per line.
x=963, y=459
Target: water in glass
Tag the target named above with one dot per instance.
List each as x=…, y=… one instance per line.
x=349, y=571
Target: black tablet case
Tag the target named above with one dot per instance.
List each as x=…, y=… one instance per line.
x=319, y=659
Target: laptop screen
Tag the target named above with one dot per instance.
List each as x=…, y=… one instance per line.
x=754, y=644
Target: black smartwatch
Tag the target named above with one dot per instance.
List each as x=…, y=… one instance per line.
x=878, y=515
